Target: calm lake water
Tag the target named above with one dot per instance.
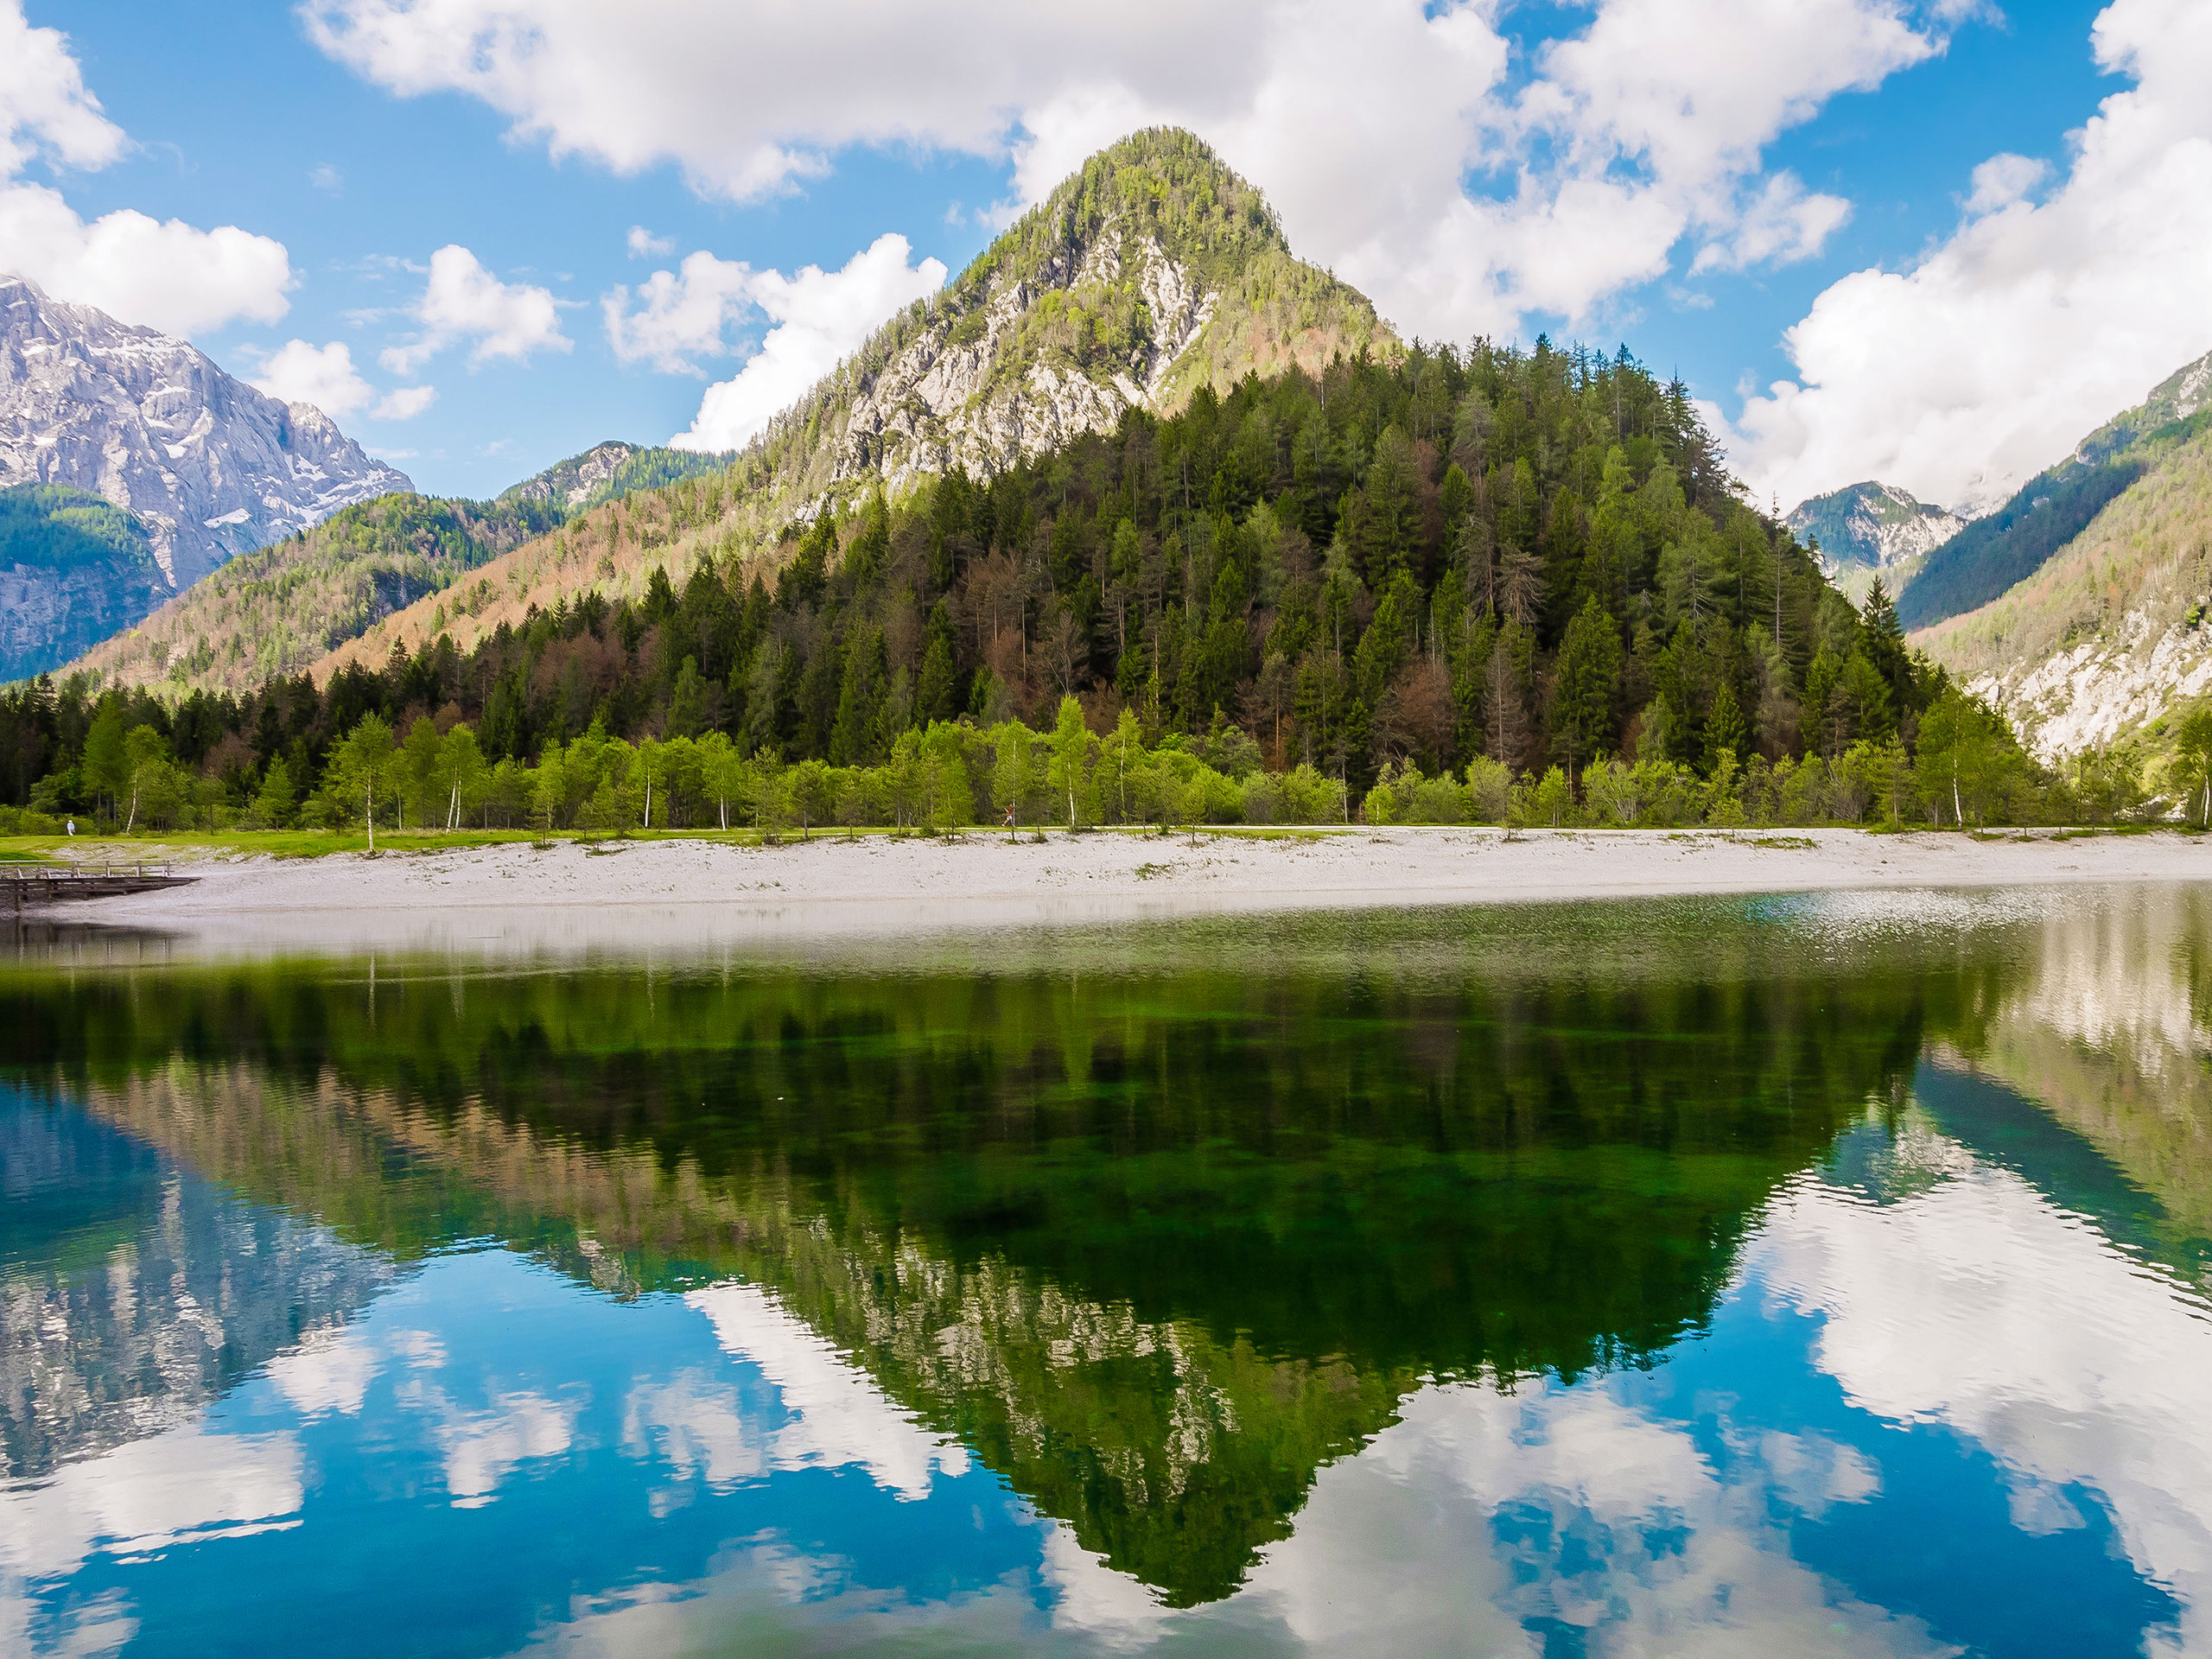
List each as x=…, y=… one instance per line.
x=1746, y=1276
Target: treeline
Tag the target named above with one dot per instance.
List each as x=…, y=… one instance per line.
x=956, y=774
x=1532, y=560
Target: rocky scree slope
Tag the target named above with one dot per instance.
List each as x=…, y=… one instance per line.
x=210, y=466
x=1873, y=529
x=1151, y=270
x=2101, y=640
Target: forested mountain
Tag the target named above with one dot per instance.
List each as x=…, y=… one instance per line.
x=2047, y=512
x=1869, y=529
x=2091, y=654
x=272, y=612
x=1285, y=544
x=609, y=471
x=74, y=568
x=1388, y=572
x=1401, y=561
x=208, y=466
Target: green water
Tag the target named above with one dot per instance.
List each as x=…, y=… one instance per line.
x=1627, y=1278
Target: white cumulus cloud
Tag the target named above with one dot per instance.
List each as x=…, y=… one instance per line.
x=464, y=301
x=2035, y=321
x=404, y=403
x=1618, y=148
x=680, y=314
x=168, y=274
x=2003, y=180
x=299, y=372
x=44, y=104
x=1780, y=225
x=819, y=317
x=163, y=274
x=644, y=245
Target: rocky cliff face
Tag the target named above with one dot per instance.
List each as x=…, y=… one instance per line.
x=570, y=484
x=48, y=615
x=966, y=392
x=1869, y=529
x=2107, y=636
x=1153, y=271
x=211, y=467
x=74, y=568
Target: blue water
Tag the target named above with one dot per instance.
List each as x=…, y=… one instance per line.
x=379, y=1382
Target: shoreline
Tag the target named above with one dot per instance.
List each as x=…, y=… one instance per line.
x=568, y=897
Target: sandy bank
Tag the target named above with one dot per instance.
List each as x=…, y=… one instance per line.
x=519, y=898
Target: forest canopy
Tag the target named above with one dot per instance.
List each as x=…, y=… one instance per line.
x=1531, y=559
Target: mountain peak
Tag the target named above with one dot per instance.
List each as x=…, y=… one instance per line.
x=1872, y=527
x=202, y=466
x=209, y=464
x=610, y=469
x=1151, y=271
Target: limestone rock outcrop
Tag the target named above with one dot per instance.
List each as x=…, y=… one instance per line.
x=210, y=466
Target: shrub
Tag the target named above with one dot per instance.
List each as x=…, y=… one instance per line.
x=1489, y=790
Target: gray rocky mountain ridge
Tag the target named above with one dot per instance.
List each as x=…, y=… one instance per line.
x=935, y=405
x=210, y=466
x=1869, y=529
x=571, y=483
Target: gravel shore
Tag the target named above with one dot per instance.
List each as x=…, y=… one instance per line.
x=566, y=897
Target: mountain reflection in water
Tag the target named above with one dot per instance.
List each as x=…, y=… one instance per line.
x=1704, y=1276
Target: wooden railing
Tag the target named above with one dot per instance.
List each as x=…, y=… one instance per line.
x=25, y=887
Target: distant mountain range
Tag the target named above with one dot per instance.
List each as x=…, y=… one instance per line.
x=2081, y=606
x=2055, y=506
x=285, y=608
x=1873, y=529
x=205, y=466
x=608, y=471
x=1150, y=273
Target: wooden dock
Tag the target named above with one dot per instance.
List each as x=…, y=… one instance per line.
x=33, y=887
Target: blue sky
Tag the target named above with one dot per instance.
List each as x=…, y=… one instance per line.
x=363, y=135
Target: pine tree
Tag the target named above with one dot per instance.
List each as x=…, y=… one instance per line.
x=853, y=736
x=1582, y=701
x=687, y=701
x=1881, y=640
x=1723, y=727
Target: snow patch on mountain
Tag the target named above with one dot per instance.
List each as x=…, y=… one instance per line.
x=211, y=467
x=1872, y=525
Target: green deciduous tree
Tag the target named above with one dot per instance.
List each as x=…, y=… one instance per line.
x=2192, y=761
x=363, y=768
